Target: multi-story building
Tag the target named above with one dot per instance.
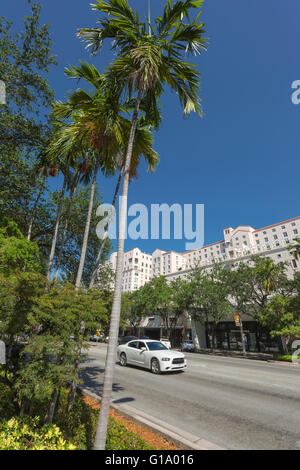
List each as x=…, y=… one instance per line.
x=239, y=244
x=137, y=268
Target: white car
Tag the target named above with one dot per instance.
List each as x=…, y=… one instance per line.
x=151, y=354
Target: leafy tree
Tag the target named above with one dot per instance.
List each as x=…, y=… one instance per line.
x=183, y=291
x=133, y=309
x=267, y=279
x=282, y=315
x=158, y=299
x=210, y=302
x=55, y=336
x=20, y=285
x=23, y=194
x=25, y=60
x=17, y=254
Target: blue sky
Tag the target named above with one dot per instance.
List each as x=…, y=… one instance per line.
x=242, y=158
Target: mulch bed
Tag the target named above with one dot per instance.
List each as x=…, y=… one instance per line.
x=153, y=439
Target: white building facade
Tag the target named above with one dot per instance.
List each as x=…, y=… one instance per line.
x=239, y=244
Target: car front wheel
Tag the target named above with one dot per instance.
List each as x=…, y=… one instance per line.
x=155, y=368
x=123, y=360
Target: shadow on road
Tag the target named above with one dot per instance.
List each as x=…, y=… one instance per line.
x=92, y=379
x=124, y=400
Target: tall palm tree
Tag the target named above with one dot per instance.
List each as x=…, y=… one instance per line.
x=101, y=113
x=93, y=127
x=145, y=64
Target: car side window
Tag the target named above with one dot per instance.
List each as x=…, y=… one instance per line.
x=141, y=345
x=133, y=344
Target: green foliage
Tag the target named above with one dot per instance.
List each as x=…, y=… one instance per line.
x=282, y=316
x=17, y=254
x=79, y=425
x=210, y=299
x=119, y=438
x=284, y=357
x=252, y=285
x=25, y=59
x=156, y=296
x=55, y=329
x=74, y=238
x=76, y=429
x=149, y=62
x=26, y=433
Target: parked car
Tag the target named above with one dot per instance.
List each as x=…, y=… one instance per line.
x=188, y=345
x=125, y=339
x=96, y=338
x=151, y=354
x=166, y=342
x=144, y=337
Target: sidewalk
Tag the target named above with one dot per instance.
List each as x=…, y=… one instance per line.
x=267, y=357
x=249, y=355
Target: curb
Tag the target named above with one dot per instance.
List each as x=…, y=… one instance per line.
x=173, y=434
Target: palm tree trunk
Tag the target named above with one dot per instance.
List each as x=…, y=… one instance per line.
x=58, y=216
x=105, y=236
x=100, y=440
x=87, y=226
x=34, y=211
x=73, y=189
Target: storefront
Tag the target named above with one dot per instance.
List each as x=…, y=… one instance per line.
x=227, y=336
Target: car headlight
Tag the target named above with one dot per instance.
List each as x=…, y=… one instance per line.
x=165, y=359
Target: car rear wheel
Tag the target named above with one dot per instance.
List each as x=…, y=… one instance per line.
x=123, y=360
x=155, y=368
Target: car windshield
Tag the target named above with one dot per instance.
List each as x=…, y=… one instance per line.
x=156, y=346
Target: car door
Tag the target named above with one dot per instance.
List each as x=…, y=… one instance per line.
x=141, y=354
x=131, y=350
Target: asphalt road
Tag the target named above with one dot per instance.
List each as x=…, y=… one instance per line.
x=234, y=403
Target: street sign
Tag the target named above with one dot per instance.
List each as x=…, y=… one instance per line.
x=237, y=319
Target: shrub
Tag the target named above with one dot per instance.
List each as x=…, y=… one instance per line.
x=26, y=433
x=119, y=438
